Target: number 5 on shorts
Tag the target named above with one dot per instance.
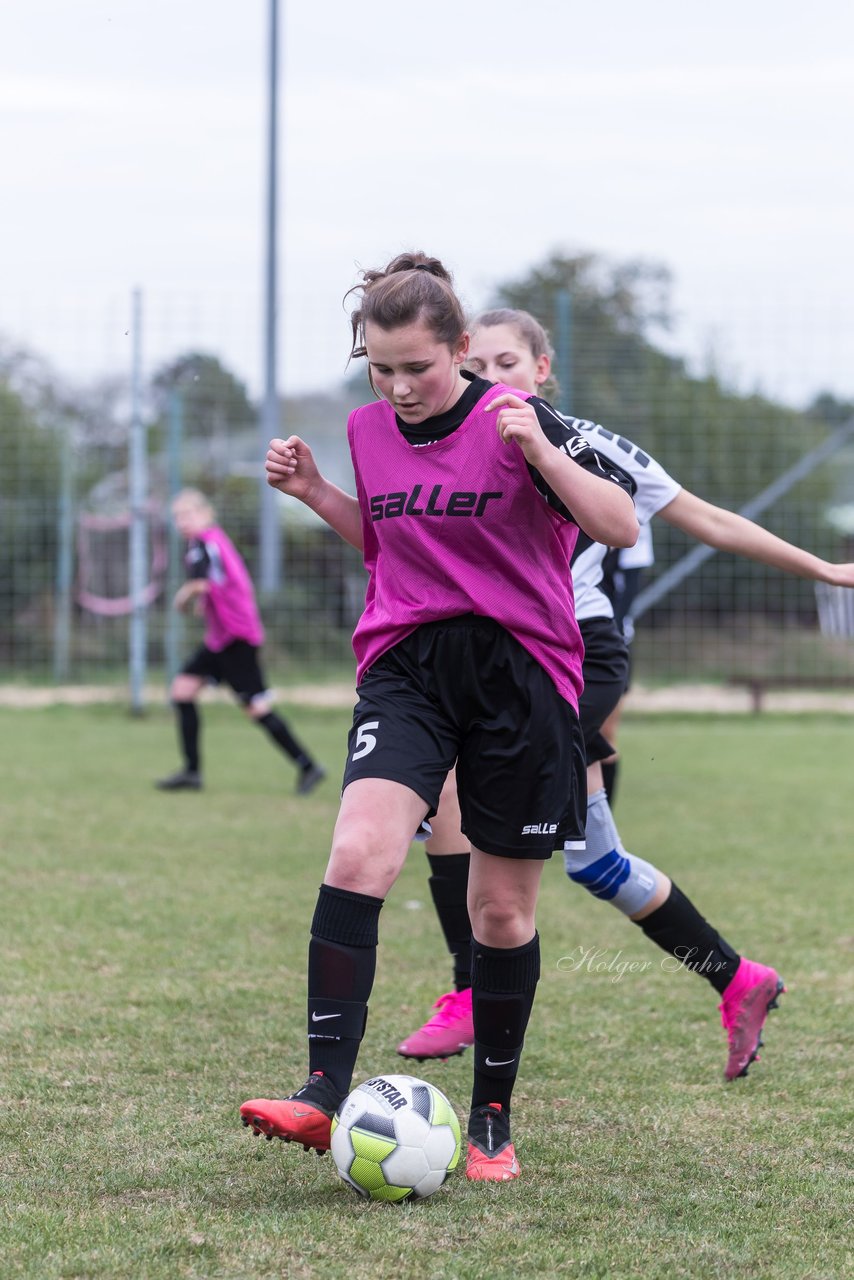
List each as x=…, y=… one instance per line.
x=365, y=741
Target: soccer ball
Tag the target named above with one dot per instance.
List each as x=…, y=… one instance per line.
x=395, y=1138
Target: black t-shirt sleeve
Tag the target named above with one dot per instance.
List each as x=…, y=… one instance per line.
x=197, y=560
x=570, y=441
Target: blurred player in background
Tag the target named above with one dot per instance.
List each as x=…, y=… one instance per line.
x=511, y=346
x=219, y=588
x=469, y=502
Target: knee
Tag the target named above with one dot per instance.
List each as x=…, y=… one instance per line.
x=258, y=707
x=183, y=689
x=356, y=863
x=614, y=876
x=504, y=923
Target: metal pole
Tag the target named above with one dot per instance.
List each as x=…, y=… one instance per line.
x=269, y=532
x=64, y=560
x=174, y=620
x=138, y=492
x=563, y=349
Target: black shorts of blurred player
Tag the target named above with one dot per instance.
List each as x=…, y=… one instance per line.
x=237, y=665
x=434, y=700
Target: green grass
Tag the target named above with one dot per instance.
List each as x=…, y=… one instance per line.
x=153, y=953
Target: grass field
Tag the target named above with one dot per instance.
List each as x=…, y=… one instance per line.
x=153, y=952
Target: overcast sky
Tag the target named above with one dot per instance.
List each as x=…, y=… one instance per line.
x=716, y=139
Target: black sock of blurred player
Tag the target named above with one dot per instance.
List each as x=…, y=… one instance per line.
x=284, y=739
x=188, y=732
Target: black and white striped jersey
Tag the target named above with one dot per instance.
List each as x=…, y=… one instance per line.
x=654, y=489
x=559, y=430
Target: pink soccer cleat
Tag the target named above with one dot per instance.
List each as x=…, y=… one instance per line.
x=747, y=1000
x=447, y=1033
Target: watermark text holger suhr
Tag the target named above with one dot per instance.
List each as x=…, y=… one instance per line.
x=601, y=960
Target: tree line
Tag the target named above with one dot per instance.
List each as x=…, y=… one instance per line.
x=721, y=443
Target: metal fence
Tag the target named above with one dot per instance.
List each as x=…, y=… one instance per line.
x=67, y=513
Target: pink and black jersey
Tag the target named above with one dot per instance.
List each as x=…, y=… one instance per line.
x=231, y=612
x=457, y=526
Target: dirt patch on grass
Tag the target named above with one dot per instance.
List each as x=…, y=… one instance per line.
x=668, y=698
x=83, y=695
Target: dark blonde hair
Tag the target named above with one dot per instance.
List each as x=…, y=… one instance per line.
x=412, y=287
x=196, y=501
x=529, y=329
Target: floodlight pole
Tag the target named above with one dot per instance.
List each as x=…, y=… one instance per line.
x=65, y=558
x=174, y=620
x=563, y=349
x=269, y=532
x=138, y=493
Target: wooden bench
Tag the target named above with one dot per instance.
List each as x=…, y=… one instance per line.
x=758, y=686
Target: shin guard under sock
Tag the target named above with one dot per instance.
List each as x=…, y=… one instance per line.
x=342, y=958
x=504, y=982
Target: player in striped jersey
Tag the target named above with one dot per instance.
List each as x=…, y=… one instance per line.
x=469, y=501
x=513, y=347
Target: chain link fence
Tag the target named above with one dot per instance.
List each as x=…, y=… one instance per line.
x=66, y=596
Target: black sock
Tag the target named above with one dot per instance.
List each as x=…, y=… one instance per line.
x=609, y=781
x=342, y=957
x=449, y=887
x=282, y=736
x=504, y=983
x=188, y=733
x=678, y=928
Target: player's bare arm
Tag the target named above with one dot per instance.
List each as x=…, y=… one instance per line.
x=291, y=469
x=728, y=531
x=602, y=509
x=191, y=590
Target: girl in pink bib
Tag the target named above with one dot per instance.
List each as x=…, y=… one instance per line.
x=467, y=508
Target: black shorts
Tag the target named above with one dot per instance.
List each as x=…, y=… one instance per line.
x=465, y=692
x=606, y=673
x=236, y=665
